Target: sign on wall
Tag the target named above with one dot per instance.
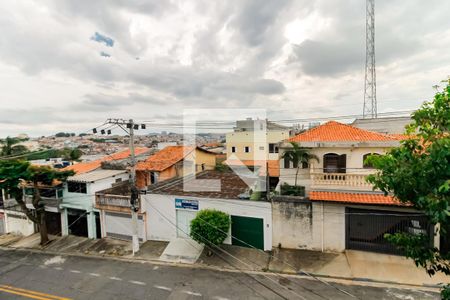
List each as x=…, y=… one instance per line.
x=186, y=204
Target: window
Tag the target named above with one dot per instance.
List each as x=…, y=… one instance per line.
x=273, y=148
x=203, y=167
x=246, y=149
x=261, y=148
x=305, y=165
x=233, y=149
x=76, y=187
x=367, y=165
x=334, y=163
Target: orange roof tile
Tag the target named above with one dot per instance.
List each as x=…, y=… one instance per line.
x=333, y=131
x=85, y=167
x=354, y=198
x=400, y=136
x=273, y=165
x=164, y=158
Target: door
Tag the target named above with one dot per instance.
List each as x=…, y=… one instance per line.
x=184, y=218
x=247, y=231
x=334, y=163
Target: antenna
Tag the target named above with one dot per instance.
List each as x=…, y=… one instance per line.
x=370, y=84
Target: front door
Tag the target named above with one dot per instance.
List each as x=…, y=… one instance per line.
x=184, y=218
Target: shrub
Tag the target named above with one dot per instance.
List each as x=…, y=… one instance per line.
x=292, y=190
x=210, y=227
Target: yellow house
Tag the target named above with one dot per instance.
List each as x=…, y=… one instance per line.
x=255, y=140
x=173, y=161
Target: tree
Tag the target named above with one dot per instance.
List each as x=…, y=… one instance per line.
x=10, y=148
x=418, y=173
x=298, y=156
x=210, y=227
x=16, y=175
x=75, y=154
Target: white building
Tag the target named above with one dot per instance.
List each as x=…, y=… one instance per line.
x=340, y=209
x=170, y=210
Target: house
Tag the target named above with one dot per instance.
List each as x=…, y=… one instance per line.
x=255, y=140
x=386, y=125
x=173, y=161
x=78, y=213
x=340, y=209
x=170, y=208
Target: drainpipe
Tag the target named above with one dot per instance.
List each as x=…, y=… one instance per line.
x=322, y=227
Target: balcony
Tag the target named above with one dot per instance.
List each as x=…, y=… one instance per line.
x=51, y=197
x=102, y=200
x=340, y=181
x=48, y=201
x=114, y=199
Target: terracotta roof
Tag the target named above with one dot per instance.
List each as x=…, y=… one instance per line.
x=165, y=158
x=333, y=131
x=360, y=198
x=400, y=136
x=92, y=165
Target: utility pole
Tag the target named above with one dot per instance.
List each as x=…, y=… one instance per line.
x=370, y=82
x=129, y=127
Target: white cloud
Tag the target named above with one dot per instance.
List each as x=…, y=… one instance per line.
x=295, y=58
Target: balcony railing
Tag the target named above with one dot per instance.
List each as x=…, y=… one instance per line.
x=48, y=201
x=340, y=180
x=102, y=200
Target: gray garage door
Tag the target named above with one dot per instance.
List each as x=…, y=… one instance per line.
x=365, y=229
x=118, y=225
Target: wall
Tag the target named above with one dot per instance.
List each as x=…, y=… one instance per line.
x=18, y=223
x=162, y=225
x=254, y=140
x=315, y=226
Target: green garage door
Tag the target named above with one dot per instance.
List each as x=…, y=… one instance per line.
x=247, y=231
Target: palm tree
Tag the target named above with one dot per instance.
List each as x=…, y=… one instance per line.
x=10, y=148
x=298, y=156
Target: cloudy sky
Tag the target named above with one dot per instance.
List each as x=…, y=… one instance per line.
x=69, y=65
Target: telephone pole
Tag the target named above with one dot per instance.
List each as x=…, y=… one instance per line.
x=129, y=127
x=370, y=82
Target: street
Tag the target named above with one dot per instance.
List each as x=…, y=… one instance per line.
x=28, y=275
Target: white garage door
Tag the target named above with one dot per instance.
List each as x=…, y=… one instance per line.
x=118, y=226
x=184, y=218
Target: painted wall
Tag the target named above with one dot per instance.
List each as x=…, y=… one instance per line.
x=17, y=223
x=162, y=225
x=354, y=164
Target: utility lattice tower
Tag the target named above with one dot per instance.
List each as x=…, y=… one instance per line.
x=370, y=82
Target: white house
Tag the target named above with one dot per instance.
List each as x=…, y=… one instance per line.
x=170, y=209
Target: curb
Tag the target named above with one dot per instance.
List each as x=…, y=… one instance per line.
x=300, y=275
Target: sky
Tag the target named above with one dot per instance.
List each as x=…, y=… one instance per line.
x=69, y=65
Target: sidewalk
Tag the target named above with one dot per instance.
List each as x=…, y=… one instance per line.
x=353, y=265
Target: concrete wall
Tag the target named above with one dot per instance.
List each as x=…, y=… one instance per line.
x=314, y=226
x=162, y=225
x=17, y=223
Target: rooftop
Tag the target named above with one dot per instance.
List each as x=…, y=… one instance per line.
x=231, y=186
x=333, y=131
x=357, y=198
x=95, y=175
x=85, y=167
x=166, y=158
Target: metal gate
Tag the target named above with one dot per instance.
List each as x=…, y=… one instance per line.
x=365, y=229
x=247, y=231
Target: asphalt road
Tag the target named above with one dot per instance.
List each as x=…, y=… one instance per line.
x=28, y=275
